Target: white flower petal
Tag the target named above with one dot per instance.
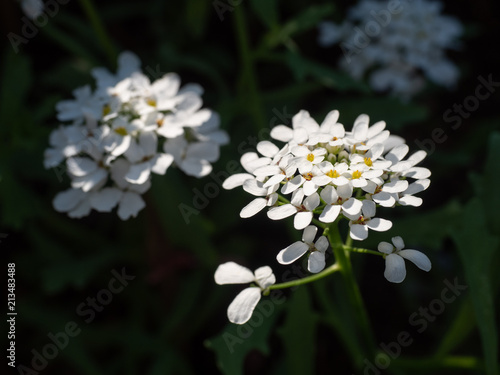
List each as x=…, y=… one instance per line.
x=233, y=273
x=379, y=225
x=253, y=207
x=138, y=173
x=130, y=205
x=80, y=166
x=265, y=277
x=196, y=167
x=359, y=232
x=410, y=200
x=267, y=148
x=161, y=163
x=385, y=247
x=416, y=257
x=330, y=213
x=241, y=309
x=316, y=262
x=236, y=180
x=302, y=220
x=106, y=199
x=312, y=201
x=291, y=253
x=396, y=186
x=282, y=133
x=395, y=270
x=68, y=199
x=255, y=187
x=309, y=234
x=281, y=212
x=321, y=244
x=398, y=242
x=352, y=207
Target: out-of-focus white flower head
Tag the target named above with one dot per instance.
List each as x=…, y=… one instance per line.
x=32, y=8
x=398, y=46
x=124, y=131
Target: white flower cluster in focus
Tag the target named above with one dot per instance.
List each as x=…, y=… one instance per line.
x=398, y=46
x=123, y=131
x=324, y=172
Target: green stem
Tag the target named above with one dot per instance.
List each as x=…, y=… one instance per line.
x=97, y=25
x=309, y=279
x=362, y=251
x=353, y=290
x=248, y=78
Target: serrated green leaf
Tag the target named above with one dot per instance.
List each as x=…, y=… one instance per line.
x=233, y=344
x=298, y=333
x=476, y=247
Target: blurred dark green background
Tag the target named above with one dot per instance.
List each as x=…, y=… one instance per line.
x=259, y=65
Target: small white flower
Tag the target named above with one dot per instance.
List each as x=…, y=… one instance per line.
x=298, y=206
x=395, y=270
x=32, y=8
x=316, y=261
x=241, y=309
x=359, y=225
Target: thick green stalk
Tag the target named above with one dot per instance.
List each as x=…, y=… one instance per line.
x=97, y=25
x=344, y=262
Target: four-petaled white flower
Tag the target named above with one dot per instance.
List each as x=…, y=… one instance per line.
x=395, y=270
x=241, y=309
x=316, y=261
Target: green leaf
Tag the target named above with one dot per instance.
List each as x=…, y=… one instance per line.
x=298, y=333
x=233, y=344
x=304, y=21
x=303, y=68
x=476, y=247
x=267, y=11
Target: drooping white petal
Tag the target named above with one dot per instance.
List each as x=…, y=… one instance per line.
x=233, y=273
x=130, y=205
x=416, y=257
x=253, y=208
x=255, y=187
x=106, y=199
x=291, y=253
x=241, y=309
x=395, y=270
x=316, y=262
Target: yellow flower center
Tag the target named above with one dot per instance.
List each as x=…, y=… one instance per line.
x=159, y=122
x=121, y=130
x=356, y=174
x=333, y=174
x=151, y=102
x=368, y=162
x=310, y=157
x=308, y=176
x=106, y=109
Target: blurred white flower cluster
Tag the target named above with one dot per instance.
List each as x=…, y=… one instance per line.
x=399, y=44
x=125, y=129
x=32, y=8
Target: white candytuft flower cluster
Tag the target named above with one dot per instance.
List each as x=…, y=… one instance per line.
x=125, y=130
x=398, y=45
